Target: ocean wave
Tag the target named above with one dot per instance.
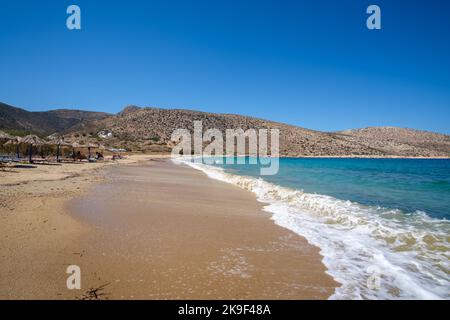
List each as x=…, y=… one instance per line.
x=373, y=252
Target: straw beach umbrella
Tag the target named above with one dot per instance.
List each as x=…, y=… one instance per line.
x=74, y=145
x=59, y=142
x=15, y=141
x=91, y=145
x=5, y=137
x=32, y=140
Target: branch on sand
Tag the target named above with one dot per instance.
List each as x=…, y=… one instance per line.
x=95, y=293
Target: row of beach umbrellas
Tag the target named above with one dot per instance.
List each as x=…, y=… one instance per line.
x=34, y=140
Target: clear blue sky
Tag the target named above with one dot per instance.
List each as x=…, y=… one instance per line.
x=308, y=63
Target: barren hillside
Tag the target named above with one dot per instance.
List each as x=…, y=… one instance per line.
x=43, y=123
x=401, y=141
x=147, y=126
x=150, y=129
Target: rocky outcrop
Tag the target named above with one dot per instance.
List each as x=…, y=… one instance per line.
x=141, y=125
x=44, y=123
x=150, y=129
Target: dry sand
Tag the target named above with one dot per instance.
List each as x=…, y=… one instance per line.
x=151, y=230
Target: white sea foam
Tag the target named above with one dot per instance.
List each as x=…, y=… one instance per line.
x=409, y=253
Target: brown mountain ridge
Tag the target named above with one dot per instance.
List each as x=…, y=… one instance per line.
x=150, y=129
x=43, y=123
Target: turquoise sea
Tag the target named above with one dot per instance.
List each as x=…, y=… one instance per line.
x=383, y=225
x=410, y=185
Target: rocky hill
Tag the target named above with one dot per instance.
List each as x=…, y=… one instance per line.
x=150, y=129
x=401, y=141
x=149, y=126
x=44, y=123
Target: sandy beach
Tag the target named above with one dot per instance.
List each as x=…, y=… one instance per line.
x=146, y=228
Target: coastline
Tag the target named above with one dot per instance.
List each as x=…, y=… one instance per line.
x=353, y=235
x=203, y=239
x=356, y=157
x=353, y=157
x=366, y=157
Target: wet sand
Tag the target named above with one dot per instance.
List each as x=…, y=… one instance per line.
x=153, y=230
x=166, y=231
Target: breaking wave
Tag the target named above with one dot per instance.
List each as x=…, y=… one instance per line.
x=373, y=252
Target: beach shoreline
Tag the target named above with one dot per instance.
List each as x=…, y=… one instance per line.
x=355, y=157
x=366, y=157
x=203, y=239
